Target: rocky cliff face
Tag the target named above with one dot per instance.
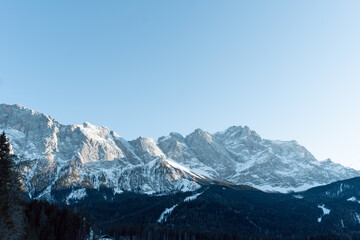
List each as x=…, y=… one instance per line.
x=56, y=156
x=241, y=156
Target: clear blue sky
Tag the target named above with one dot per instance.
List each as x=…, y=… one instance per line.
x=287, y=69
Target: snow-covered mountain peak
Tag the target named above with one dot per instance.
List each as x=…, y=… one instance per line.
x=87, y=124
x=199, y=135
x=18, y=117
x=93, y=132
x=238, y=132
x=173, y=137
x=147, y=149
x=62, y=156
x=8, y=107
x=18, y=109
x=177, y=136
x=328, y=160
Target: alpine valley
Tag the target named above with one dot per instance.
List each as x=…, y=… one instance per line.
x=231, y=184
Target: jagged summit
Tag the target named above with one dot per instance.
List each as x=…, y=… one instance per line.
x=199, y=135
x=64, y=156
x=238, y=132
x=173, y=135
x=147, y=149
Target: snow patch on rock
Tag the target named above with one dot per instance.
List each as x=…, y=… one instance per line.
x=298, y=196
x=76, y=195
x=192, y=198
x=326, y=211
x=357, y=217
x=164, y=215
x=353, y=199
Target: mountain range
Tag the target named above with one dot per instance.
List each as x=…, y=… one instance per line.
x=55, y=157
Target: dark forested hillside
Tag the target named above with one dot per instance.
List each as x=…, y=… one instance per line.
x=48, y=222
x=229, y=212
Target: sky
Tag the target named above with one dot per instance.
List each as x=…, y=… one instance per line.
x=290, y=70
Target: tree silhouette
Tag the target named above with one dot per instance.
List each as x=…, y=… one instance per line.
x=6, y=178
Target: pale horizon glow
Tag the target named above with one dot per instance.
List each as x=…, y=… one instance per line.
x=287, y=69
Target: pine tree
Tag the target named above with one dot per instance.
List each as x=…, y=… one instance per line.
x=6, y=170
